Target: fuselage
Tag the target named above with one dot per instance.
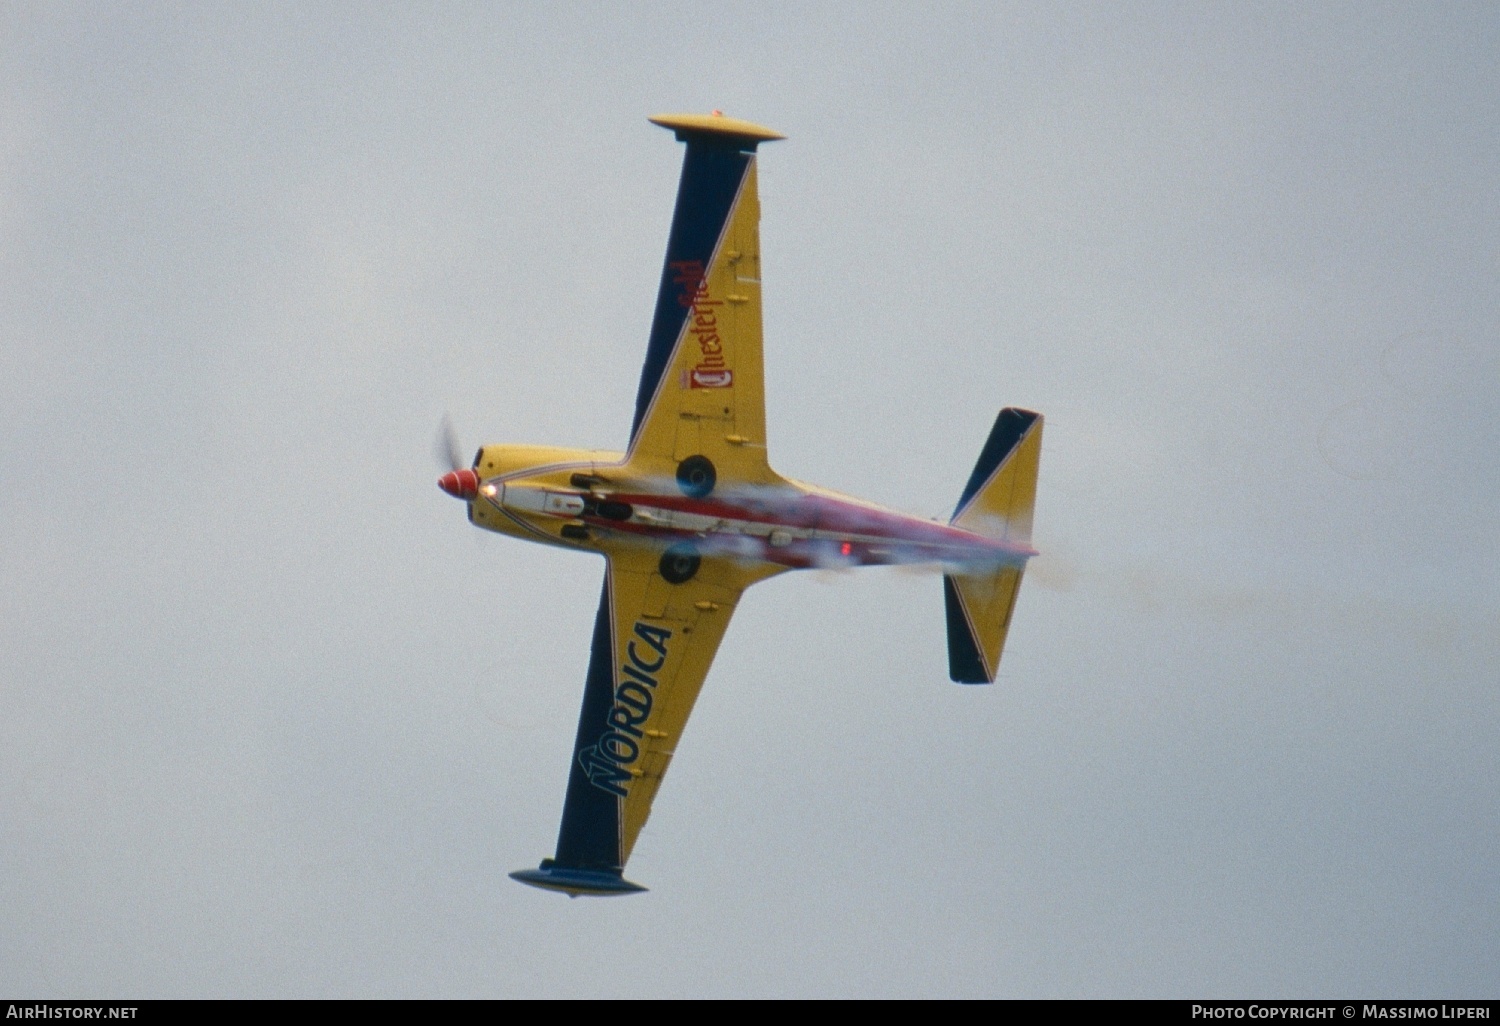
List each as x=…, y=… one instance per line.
x=597, y=500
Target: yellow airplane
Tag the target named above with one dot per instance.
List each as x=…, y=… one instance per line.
x=691, y=514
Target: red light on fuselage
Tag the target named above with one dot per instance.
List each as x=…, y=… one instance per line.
x=845, y=549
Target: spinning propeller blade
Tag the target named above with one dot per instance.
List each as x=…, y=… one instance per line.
x=446, y=447
x=461, y=481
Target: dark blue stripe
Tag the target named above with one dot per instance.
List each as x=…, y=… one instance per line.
x=965, y=665
x=590, y=834
x=712, y=170
x=1004, y=437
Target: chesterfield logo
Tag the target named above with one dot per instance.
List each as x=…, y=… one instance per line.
x=711, y=371
x=608, y=761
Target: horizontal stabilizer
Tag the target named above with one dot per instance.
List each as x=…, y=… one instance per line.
x=997, y=503
x=998, y=500
x=979, y=608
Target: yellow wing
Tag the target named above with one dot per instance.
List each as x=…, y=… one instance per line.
x=702, y=390
x=668, y=633
x=654, y=642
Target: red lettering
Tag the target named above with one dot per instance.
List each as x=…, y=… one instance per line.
x=693, y=295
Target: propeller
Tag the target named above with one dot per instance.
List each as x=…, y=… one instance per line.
x=446, y=446
x=461, y=481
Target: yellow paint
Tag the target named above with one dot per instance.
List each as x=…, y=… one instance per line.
x=636, y=588
x=715, y=123
x=1002, y=508
x=989, y=601
x=728, y=425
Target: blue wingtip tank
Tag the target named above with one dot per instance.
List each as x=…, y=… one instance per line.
x=551, y=877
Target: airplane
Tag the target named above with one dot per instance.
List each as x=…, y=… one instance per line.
x=691, y=515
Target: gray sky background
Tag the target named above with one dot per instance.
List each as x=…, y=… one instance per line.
x=275, y=721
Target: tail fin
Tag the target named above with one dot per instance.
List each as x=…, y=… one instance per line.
x=997, y=503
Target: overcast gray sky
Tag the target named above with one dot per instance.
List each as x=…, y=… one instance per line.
x=275, y=721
